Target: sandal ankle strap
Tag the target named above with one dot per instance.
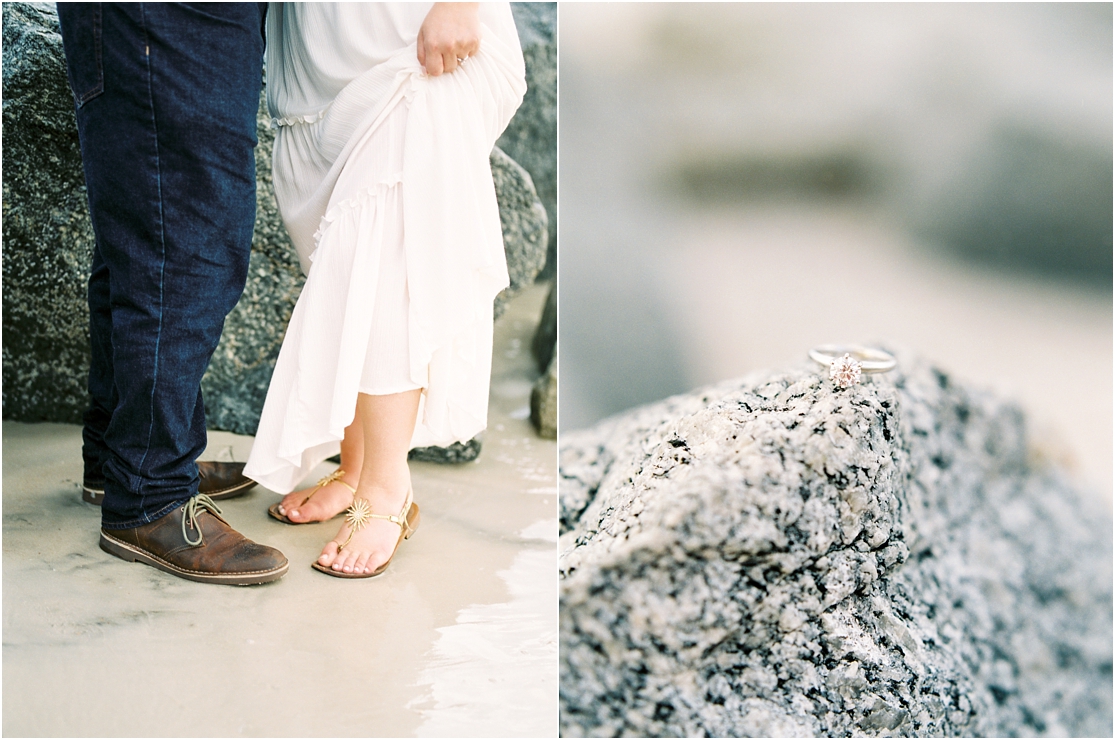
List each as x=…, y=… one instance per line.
x=337, y=476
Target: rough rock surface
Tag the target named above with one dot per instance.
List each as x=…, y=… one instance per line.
x=524, y=223
x=531, y=137
x=48, y=242
x=454, y=454
x=777, y=557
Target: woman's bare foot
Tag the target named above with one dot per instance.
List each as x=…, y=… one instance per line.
x=373, y=544
x=329, y=501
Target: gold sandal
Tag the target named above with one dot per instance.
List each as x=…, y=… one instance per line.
x=358, y=515
x=334, y=477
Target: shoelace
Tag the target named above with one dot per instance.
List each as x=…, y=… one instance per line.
x=190, y=514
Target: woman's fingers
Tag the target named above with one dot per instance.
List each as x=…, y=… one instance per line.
x=450, y=33
x=448, y=62
x=434, y=63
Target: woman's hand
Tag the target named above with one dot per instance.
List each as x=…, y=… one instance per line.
x=450, y=33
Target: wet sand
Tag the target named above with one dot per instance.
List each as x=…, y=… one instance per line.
x=458, y=637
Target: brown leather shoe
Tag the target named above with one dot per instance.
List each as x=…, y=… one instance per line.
x=217, y=480
x=195, y=543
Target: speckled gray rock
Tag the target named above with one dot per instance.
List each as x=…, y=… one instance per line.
x=48, y=242
x=776, y=557
x=531, y=137
x=524, y=223
x=454, y=454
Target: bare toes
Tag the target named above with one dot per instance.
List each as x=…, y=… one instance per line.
x=289, y=503
x=361, y=564
x=312, y=511
x=328, y=554
x=343, y=561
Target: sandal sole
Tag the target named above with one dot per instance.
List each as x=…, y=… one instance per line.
x=413, y=519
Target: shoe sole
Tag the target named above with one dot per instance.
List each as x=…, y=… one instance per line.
x=96, y=496
x=413, y=518
x=133, y=554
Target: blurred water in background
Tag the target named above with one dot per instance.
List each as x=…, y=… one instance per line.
x=740, y=182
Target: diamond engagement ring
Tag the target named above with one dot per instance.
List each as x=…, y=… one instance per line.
x=848, y=362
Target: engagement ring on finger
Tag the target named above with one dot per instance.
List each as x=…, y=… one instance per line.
x=848, y=362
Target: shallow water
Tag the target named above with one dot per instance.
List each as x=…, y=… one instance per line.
x=498, y=658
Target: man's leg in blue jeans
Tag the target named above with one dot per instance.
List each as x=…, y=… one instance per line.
x=167, y=97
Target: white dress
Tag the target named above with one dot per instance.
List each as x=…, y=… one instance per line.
x=383, y=181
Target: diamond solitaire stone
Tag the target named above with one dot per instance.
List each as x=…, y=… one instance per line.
x=845, y=371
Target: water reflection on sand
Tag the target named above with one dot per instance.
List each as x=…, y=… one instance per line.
x=493, y=672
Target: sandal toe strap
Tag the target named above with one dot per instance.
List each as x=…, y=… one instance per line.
x=360, y=513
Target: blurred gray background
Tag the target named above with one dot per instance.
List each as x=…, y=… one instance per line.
x=740, y=182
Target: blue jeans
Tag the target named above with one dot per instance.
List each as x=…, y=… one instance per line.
x=166, y=97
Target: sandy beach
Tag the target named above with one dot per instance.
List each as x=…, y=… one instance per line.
x=458, y=637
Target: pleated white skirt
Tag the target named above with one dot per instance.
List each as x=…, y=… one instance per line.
x=383, y=181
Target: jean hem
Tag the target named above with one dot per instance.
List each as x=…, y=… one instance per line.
x=146, y=518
